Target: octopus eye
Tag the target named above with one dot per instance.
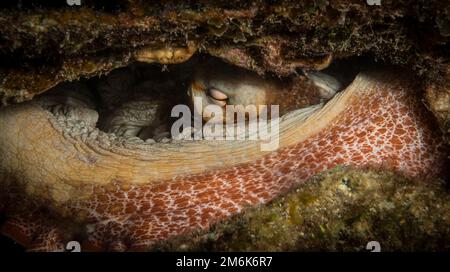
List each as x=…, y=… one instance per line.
x=217, y=97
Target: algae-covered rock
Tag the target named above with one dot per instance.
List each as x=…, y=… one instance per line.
x=43, y=44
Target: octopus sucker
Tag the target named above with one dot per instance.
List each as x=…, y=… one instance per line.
x=121, y=192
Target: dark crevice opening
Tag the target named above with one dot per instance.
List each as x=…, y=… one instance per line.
x=161, y=87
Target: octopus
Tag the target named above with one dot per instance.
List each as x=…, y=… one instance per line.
x=121, y=188
x=217, y=83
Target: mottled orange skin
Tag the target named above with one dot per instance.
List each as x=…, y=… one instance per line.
x=389, y=128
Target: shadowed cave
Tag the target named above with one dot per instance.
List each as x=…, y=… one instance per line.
x=135, y=102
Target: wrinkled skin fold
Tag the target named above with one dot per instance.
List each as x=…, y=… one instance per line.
x=57, y=187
